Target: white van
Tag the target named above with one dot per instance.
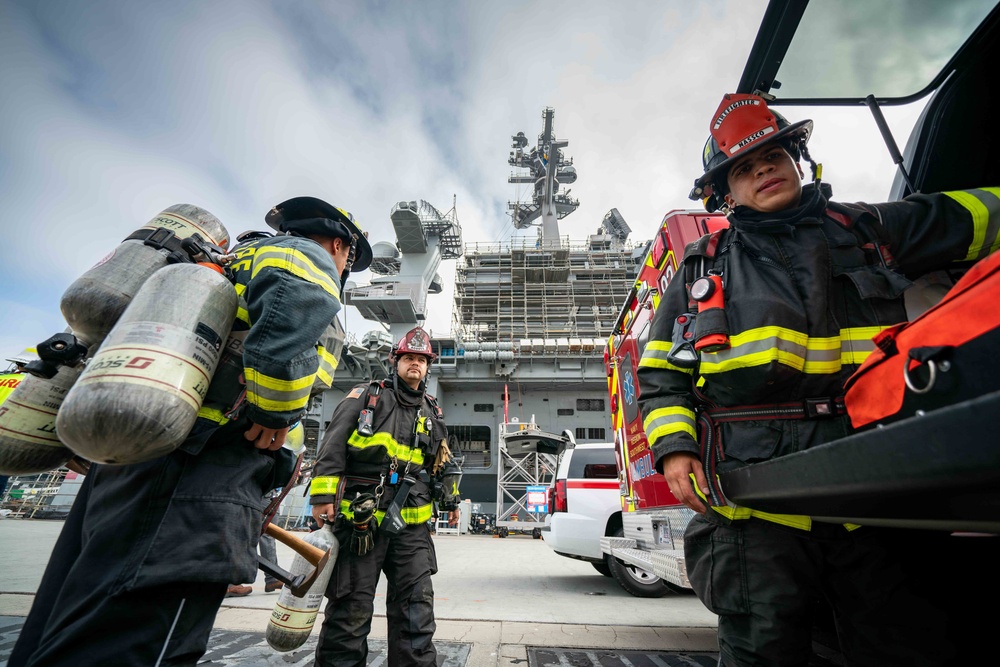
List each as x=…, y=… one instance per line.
x=584, y=506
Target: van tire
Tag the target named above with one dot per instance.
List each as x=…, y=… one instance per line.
x=637, y=582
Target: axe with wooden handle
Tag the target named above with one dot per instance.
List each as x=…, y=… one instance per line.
x=299, y=585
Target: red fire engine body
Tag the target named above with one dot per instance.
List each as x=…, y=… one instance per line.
x=653, y=520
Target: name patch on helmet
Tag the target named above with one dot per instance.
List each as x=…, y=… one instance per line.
x=743, y=143
x=418, y=341
x=728, y=110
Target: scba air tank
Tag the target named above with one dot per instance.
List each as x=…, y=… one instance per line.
x=28, y=441
x=94, y=302
x=292, y=618
x=139, y=396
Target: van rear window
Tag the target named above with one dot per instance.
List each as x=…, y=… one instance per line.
x=600, y=471
x=593, y=464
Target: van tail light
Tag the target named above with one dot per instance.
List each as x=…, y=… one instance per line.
x=559, y=496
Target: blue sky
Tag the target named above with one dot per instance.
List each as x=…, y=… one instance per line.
x=113, y=111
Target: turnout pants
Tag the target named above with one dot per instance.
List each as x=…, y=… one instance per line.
x=893, y=598
x=144, y=558
x=79, y=617
x=408, y=560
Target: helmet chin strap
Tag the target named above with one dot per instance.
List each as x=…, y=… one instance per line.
x=351, y=256
x=816, y=168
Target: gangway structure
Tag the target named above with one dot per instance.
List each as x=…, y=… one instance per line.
x=528, y=457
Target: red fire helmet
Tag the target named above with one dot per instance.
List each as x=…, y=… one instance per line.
x=416, y=341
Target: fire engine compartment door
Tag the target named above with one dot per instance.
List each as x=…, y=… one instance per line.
x=939, y=471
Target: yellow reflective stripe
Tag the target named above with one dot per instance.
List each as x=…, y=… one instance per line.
x=791, y=520
x=327, y=365
x=392, y=448
x=242, y=313
x=985, y=212
x=655, y=356
x=413, y=516
x=861, y=333
x=276, y=395
x=276, y=406
x=296, y=263
x=271, y=405
x=857, y=344
x=213, y=414
x=416, y=515
x=323, y=486
x=764, y=345
x=277, y=384
x=662, y=422
x=737, y=513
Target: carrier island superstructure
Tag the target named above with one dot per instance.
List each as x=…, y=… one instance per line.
x=530, y=320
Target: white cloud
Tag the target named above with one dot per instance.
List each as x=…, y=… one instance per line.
x=114, y=111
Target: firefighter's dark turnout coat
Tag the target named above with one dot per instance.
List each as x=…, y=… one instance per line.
x=805, y=291
x=141, y=538
x=350, y=463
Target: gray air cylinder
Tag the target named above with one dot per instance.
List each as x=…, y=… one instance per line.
x=93, y=303
x=292, y=618
x=139, y=396
x=28, y=441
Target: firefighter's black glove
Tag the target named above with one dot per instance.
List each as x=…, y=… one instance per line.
x=363, y=534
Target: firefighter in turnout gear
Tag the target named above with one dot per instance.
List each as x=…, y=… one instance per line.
x=807, y=282
x=153, y=546
x=381, y=467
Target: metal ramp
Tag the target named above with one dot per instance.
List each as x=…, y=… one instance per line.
x=527, y=458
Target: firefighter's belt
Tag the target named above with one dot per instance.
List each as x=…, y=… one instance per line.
x=710, y=435
x=810, y=408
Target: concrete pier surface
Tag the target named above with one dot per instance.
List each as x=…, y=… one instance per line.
x=497, y=602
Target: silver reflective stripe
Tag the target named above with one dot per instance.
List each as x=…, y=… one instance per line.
x=170, y=634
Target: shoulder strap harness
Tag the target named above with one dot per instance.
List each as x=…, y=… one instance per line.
x=704, y=326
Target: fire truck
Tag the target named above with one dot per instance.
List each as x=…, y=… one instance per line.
x=653, y=521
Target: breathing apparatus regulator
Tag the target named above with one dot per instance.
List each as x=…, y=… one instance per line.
x=446, y=484
x=21, y=359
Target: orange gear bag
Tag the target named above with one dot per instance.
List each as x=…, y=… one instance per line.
x=945, y=356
